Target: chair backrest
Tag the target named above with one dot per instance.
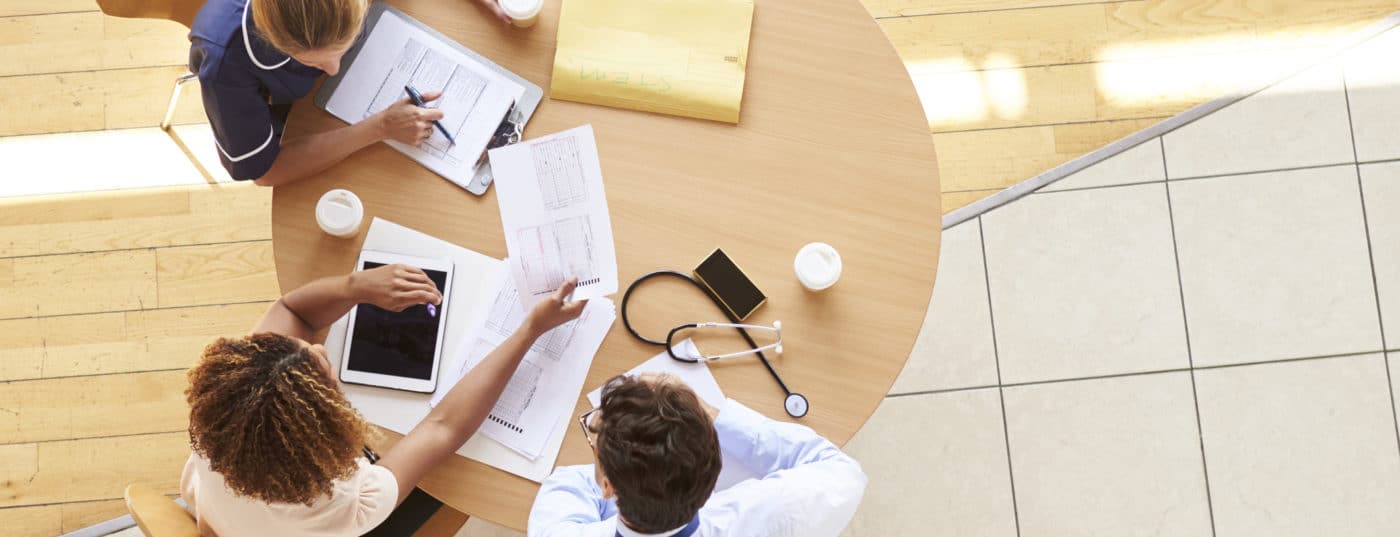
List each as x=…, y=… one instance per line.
x=158, y=516
x=181, y=11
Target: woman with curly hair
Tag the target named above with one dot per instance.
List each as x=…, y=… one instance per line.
x=277, y=449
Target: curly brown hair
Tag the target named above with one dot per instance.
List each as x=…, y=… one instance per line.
x=269, y=421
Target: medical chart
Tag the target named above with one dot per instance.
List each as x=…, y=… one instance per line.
x=474, y=98
x=555, y=215
x=546, y=384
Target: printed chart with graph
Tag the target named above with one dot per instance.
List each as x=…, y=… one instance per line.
x=551, y=252
x=511, y=415
x=555, y=215
x=507, y=314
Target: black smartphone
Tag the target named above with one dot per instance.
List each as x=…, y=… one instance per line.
x=729, y=285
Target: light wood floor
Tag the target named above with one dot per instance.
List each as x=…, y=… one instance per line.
x=105, y=299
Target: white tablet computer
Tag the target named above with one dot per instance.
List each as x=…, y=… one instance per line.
x=399, y=350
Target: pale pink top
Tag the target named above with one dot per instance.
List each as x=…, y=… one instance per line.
x=355, y=505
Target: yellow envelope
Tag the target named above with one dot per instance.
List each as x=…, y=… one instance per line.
x=678, y=57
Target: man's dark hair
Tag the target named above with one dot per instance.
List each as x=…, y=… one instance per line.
x=658, y=448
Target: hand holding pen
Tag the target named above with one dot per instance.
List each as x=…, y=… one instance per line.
x=408, y=122
x=419, y=100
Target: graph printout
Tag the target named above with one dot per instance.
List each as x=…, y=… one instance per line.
x=555, y=215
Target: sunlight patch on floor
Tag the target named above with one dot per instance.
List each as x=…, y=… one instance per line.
x=103, y=160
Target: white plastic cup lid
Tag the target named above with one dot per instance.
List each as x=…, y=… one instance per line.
x=817, y=265
x=339, y=212
x=521, y=9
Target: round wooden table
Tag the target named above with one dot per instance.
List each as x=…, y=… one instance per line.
x=832, y=146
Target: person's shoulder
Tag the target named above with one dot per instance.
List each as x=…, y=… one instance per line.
x=216, y=42
x=218, y=21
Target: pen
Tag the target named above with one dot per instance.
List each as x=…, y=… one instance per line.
x=418, y=100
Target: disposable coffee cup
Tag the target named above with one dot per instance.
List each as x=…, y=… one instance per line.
x=817, y=265
x=340, y=213
x=522, y=13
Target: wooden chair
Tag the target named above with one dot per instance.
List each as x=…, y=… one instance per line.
x=157, y=515
x=181, y=11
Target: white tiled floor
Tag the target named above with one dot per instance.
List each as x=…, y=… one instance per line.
x=1107, y=457
x=1083, y=284
x=955, y=351
x=1302, y=448
x=1261, y=132
x=1275, y=265
x=1185, y=339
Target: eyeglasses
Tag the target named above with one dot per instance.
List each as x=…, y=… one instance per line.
x=583, y=421
x=587, y=417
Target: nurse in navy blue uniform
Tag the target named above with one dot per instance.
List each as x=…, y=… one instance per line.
x=255, y=57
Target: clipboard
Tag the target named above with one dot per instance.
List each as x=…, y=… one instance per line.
x=518, y=115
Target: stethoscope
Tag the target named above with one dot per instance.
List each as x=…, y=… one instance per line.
x=795, y=403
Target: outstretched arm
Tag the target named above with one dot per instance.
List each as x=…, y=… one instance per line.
x=302, y=157
x=457, y=417
x=312, y=307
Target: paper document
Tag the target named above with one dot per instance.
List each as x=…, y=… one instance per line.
x=473, y=291
x=679, y=57
x=474, y=98
x=548, y=380
x=699, y=378
x=555, y=215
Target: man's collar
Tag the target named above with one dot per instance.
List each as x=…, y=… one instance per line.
x=683, y=531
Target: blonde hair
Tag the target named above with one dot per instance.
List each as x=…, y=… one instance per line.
x=297, y=26
x=270, y=422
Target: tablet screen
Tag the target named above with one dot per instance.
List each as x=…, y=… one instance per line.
x=401, y=344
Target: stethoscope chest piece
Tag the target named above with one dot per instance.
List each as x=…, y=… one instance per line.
x=795, y=405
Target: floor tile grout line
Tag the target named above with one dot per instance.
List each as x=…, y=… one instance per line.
x=975, y=11
x=103, y=437
x=1001, y=389
x=7, y=382
x=1143, y=373
x=1371, y=257
x=1186, y=332
x=1195, y=178
x=136, y=249
x=941, y=391
x=138, y=310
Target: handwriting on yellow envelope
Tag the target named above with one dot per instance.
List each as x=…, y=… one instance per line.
x=678, y=57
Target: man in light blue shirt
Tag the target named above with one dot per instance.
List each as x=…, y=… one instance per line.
x=658, y=451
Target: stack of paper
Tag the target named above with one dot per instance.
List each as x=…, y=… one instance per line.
x=678, y=57
x=545, y=385
x=477, y=282
x=555, y=215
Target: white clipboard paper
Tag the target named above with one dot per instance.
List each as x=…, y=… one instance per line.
x=526, y=96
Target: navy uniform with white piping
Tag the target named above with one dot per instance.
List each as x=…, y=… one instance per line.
x=248, y=86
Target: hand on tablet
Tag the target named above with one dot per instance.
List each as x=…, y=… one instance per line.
x=395, y=287
x=555, y=310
